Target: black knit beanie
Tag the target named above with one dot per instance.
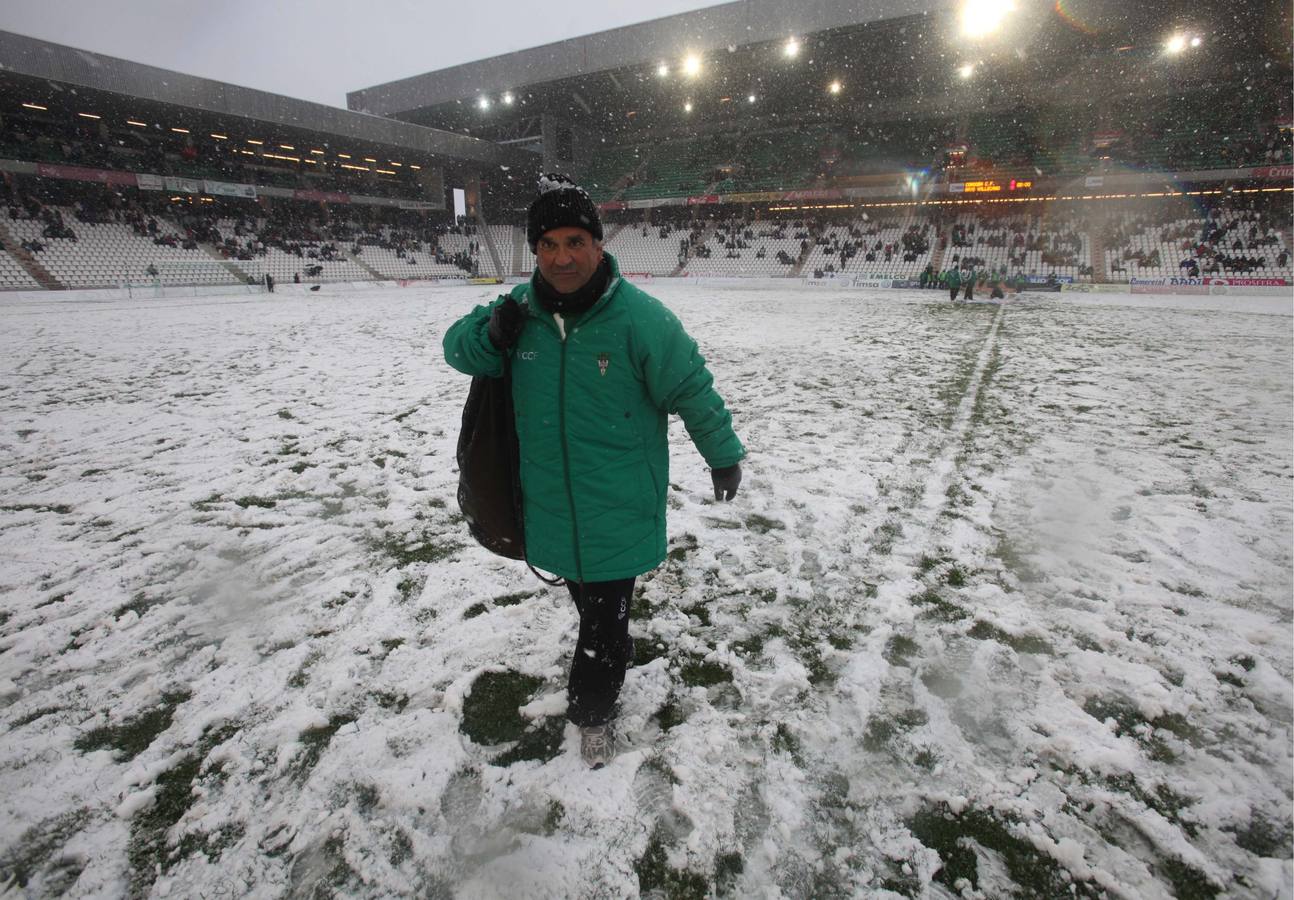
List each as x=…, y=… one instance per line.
x=561, y=203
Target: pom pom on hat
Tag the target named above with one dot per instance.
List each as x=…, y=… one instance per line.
x=561, y=203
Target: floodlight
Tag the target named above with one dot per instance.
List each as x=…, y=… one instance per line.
x=834, y=87
x=983, y=17
x=966, y=71
x=791, y=48
x=1195, y=41
x=483, y=102
x=750, y=99
x=662, y=70
x=687, y=107
x=507, y=98
x=692, y=65
x=1175, y=44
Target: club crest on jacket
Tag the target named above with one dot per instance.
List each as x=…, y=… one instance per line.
x=604, y=360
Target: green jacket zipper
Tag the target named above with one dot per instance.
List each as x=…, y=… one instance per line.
x=566, y=458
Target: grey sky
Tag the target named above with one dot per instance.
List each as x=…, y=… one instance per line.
x=321, y=49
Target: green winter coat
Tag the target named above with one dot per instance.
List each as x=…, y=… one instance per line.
x=954, y=278
x=592, y=415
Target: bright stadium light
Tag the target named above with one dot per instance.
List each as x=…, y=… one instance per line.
x=687, y=107
x=750, y=99
x=834, y=87
x=508, y=98
x=966, y=71
x=1195, y=41
x=662, y=71
x=692, y=65
x=983, y=17
x=1175, y=44
x=483, y=103
x=791, y=48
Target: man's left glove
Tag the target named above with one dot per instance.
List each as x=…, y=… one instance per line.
x=505, y=325
x=726, y=481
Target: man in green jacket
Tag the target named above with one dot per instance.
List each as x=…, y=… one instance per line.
x=597, y=367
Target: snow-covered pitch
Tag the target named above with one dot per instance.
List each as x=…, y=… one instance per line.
x=1004, y=604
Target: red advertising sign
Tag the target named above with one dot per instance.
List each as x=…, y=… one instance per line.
x=703, y=199
x=612, y=205
x=1274, y=172
x=79, y=173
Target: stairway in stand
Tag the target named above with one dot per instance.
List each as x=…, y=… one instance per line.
x=42, y=275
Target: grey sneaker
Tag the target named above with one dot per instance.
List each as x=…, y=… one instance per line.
x=597, y=744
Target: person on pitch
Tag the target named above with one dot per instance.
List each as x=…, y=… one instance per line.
x=597, y=368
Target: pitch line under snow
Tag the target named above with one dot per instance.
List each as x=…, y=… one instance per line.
x=937, y=483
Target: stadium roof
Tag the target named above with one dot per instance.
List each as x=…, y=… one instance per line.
x=30, y=60
x=896, y=59
x=728, y=25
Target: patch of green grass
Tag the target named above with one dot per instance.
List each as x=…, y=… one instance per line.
x=37, y=846
x=701, y=673
x=701, y=611
x=1188, y=882
x=285, y=414
x=1023, y=643
x=1265, y=838
x=513, y=599
x=33, y=716
x=423, y=551
x=926, y=563
x=727, y=869
x=476, y=609
x=647, y=649
x=61, y=509
x=1128, y=721
x=1035, y=873
x=262, y=502
x=936, y=607
x=926, y=759
x=133, y=736
x=885, y=535
x=785, y=741
x=899, y=649
x=669, y=716
x=301, y=676
x=1163, y=800
x=541, y=741
x=490, y=711
x=882, y=729
x=685, y=544
x=955, y=577
x=762, y=525
x=139, y=604
x=401, y=849
x=655, y=875
x=553, y=820
x=408, y=587
x=314, y=741
x=147, y=849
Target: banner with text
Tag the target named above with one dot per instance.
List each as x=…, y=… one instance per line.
x=228, y=189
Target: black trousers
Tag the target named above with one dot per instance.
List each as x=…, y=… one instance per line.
x=952, y=293
x=603, y=649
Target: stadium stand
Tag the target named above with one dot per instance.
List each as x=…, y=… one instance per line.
x=1226, y=242
x=13, y=275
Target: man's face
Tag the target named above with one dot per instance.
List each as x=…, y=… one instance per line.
x=568, y=257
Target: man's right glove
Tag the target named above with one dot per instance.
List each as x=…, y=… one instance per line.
x=726, y=481
x=506, y=323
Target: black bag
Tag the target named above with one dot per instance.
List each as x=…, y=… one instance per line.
x=489, y=468
x=489, y=474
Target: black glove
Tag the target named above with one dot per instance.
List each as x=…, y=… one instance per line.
x=505, y=324
x=726, y=481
